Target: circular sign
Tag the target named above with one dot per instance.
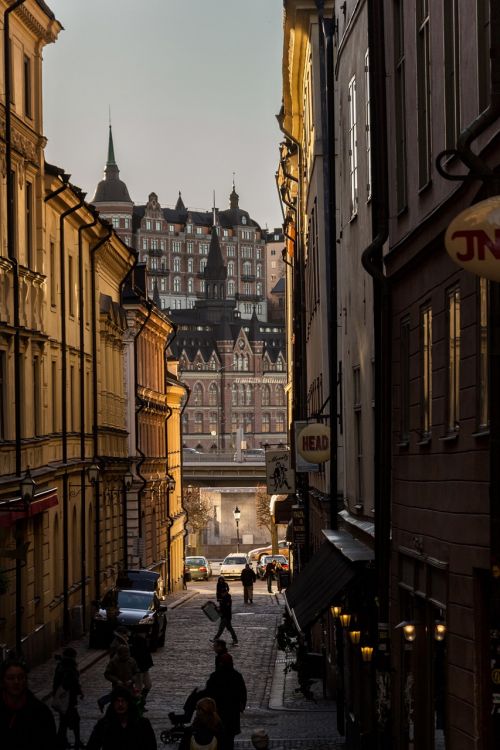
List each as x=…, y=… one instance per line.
x=314, y=443
x=473, y=239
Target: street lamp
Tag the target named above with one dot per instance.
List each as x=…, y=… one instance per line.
x=27, y=488
x=237, y=516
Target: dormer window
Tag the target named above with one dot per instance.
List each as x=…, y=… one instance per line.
x=243, y=219
x=189, y=228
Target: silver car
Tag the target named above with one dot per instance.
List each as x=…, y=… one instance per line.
x=233, y=564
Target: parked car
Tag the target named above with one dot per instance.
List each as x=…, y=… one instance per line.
x=233, y=564
x=251, y=454
x=198, y=567
x=264, y=559
x=256, y=554
x=139, y=579
x=136, y=610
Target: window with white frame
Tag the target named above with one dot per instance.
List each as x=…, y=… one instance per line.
x=190, y=247
x=258, y=288
x=176, y=246
x=158, y=226
x=189, y=228
x=247, y=289
x=258, y=270
x=230, y=251
x=199, y=230
x=230, y=268
x=230, y=288
x=177, y=284
x=203, y=264
x=190, y=285
x=148, y=224
x=247, y=268
x=177, y=265
x=171, y=228
x=190, y=265
x=203, y=248
x=144, y=243
x=353, y=146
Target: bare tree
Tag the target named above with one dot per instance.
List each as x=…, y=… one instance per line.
x=198, y=509
x=264, y=517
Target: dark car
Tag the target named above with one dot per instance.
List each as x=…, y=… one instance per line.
x=136, y=610
x=139, y=579
x=264, y=559
x=198, y=567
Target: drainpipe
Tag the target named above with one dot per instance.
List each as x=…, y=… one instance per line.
x=11, y=239
x=328, y=128
x=168, y=515
x=95, y=426
x=372, y=260
x=64, y=412
x=187, y=389
x=299, y=410
x=83, y=486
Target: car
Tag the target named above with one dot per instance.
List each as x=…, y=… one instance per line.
x=191, y=452
x=139, y=611
x=264, y=559
x=255, y=554
x=251, y=454
x=198, y=567
x=140, y=579
x=233, y=564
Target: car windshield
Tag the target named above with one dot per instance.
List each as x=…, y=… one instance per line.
x=278, y=558
x=134, y=600
x=234, y=561
x=196, y=561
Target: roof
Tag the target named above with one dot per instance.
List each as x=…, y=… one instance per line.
x=111, y=189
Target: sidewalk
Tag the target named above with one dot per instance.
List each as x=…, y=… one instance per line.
x=40, y=677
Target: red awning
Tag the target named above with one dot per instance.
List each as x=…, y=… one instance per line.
x=11, y=510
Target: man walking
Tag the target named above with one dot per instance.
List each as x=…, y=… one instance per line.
x=248, y=579
x=269, y=575
x=227, y=687
x=225, y=610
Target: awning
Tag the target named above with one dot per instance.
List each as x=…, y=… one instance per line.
x=10, y=510
x=329, y=571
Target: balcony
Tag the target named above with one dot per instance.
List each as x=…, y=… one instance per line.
x=248, y=297
x=248, y=277
x=160, y=271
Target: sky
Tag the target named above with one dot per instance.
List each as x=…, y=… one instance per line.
x=193, y=87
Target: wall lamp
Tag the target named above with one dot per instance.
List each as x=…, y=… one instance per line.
x=345, y=619
x=93, y=473
x=367, y=653
x=336, y=610
x=409, y=630
x=439, y=630
x=355, y=636
x=28, y=485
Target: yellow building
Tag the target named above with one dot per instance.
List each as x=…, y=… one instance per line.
x=85, y=414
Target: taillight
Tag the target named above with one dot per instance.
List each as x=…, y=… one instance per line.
x=202, y=569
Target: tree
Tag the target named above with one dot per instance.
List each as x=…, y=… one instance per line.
x=264, y=517
x=198, y=509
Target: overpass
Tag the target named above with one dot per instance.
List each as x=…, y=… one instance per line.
x=221, y=470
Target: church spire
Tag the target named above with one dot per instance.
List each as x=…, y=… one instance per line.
x=111, y=150
x=234, y=197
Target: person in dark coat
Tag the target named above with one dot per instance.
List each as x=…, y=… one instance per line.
x=25, y=722
x=221, y=588
x=227, y=687
x=67, y=677
x=122, y=728
x=139, y=650
x=206, y=730
x=226, y=613
x=269, y=575
x=248, y=579
x=220, y=647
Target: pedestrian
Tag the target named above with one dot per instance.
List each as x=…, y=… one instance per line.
x=220, y=647
x=25, y=722
x=206, y=731
x=121, y=671
x=66, y=690
x=139, y=651
x=121, y=636
x=226, y=613
x=227, y=687
x=122, y=728
x=278, y=569
x=248, y=579
x=269, y=575
x=221, y=588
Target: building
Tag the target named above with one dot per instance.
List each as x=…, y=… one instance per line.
x=235, y=369
x=275, y=275
x=174, y=243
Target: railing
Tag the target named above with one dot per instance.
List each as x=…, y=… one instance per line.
x=219, y=457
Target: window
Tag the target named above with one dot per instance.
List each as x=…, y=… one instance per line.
x=258, y=289
x=30, y=260
x=483, y=52
x=266, y=423
x=426, y=370
x=199, y=230
x=171, y=228
x=483, y=415
x=358, y=437
x=404, y=375
x=368, y=133
x=230, y=268
x=451, y=74
x=154, y=244
x=190, y=286
x=258, y=270
x=189, y=228
x=247, y=268
x=280, y=422
x=258, y=253
x=453, y=402
x=158, y=226
x=203, y=248
x=190, y=265
x=197, y=395
x=400, y=106
x=189, y=247
x=230, y=251
x=177, y=265
x=52, y=275
x=148, y=224
x=144, y=243
x=72, y=399
x=203, y=264
x=27, y=87
x=177, y=284
x=213, y=395
x=230, y=288
x=353, y=146
x=176, y=246
x=423, y=92
x=198, y=422
x=116, y=222
x=71, y=286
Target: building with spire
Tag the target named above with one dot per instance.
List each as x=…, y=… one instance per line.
x=174, y=243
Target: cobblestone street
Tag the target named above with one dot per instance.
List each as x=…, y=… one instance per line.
x=188, y=658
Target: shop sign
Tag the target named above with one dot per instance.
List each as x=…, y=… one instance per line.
x=314, y=443
x=299, y=525
x=472, y=239
x=300, y=463
x=280, y=477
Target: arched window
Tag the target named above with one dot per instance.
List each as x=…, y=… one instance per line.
x=258, y=289
x=230, y=288
x=177, y=265
x=213, y=395
x=266, y=422
x=258, y=270
x=280, y=422
x=245, y=361
x=190, y=265
x=190, y=286
x=198, y=395
x=230, y=268
x=266, y=395
x=279, y=395
x=177, y=284
x=247, y=268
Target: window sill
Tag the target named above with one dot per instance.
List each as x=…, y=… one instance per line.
x=425, y=441
x=403, y=444
x=449, y=438
x=482, y=433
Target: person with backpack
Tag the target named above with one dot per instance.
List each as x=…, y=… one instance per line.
x=66, y=690
x=248, y=579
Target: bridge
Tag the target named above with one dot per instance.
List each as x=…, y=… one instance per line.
x=222, y=470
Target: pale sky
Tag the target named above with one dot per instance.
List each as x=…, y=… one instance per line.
x=193, y=87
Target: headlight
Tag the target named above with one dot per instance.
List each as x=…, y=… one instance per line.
x=147, y=620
